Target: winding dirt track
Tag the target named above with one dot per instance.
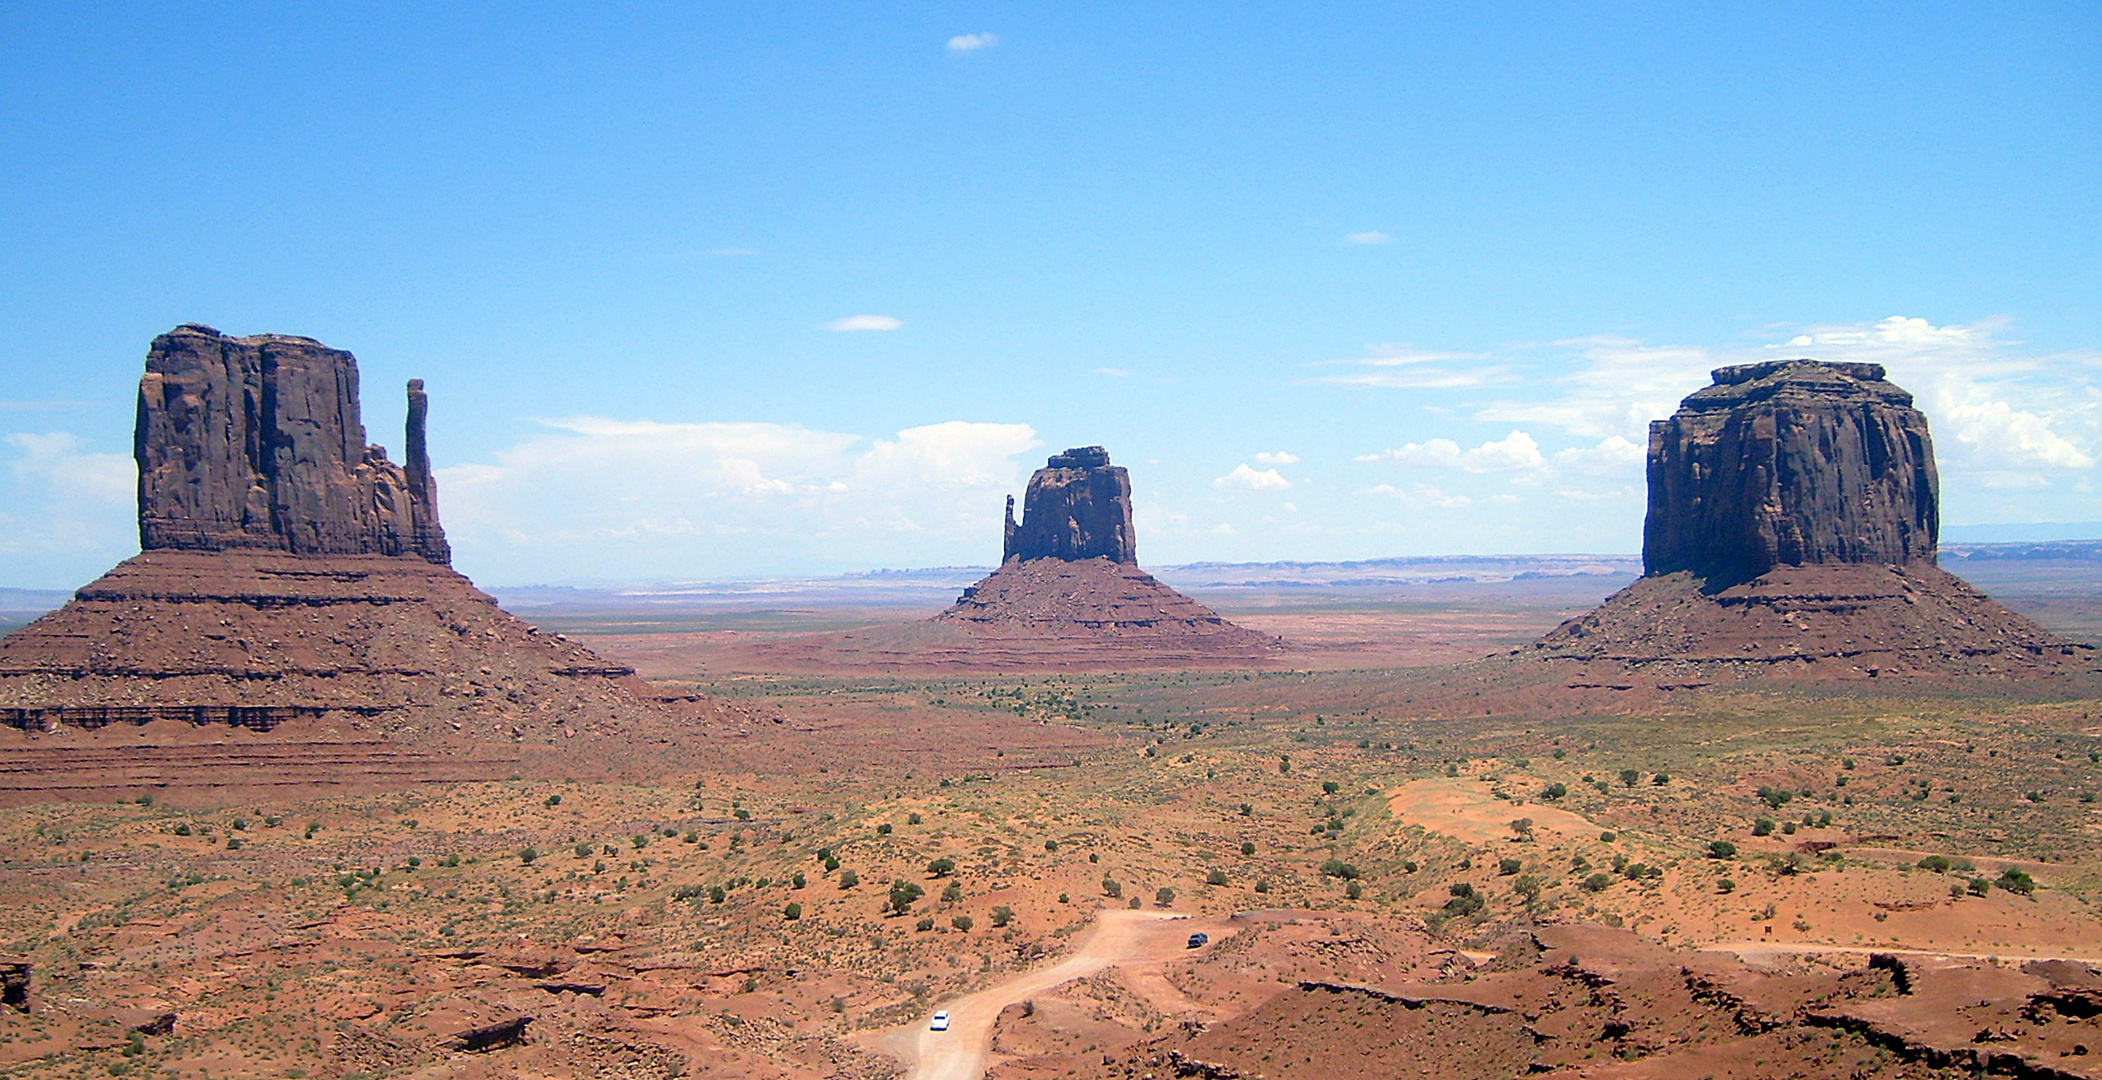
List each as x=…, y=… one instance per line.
x=1117, y=938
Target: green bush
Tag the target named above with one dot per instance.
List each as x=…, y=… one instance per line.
x=1003, y=915
x=2016, y=881
x=1164, y=896
x=1337, y=868
x=1763, y=827
x=792, y=912
x=848, y=879
x=1508, y=867
x=902, y=894
x=941, y=867
x=1597, y=882
x=961, y=922
x=1937, y=863
x=527, y=856
x=925, y=924
x=1979, y=886
x=1215, y=877
x=1554, y=791
x=1721, y=849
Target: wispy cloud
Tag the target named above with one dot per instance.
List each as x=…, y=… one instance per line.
x=1244, y=478
x=1278, y=458
x=854, y=323
x=1403, y=367
x=1372, y=237
x=973, y=42
x=1419, y=497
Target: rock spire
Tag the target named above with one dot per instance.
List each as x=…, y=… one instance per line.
x=1790, y=463
x=1078, y=506
x=257, y=443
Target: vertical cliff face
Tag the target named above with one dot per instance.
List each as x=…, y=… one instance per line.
x=257, y=442
x=1078, y=506
x=1790, y=463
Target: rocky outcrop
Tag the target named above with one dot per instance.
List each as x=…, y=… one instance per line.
x=1790, y=463
x=1078, y=506
x=257, y=442
x=1792, y=522
x=1069, y=591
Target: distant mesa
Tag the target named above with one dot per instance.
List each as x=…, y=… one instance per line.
x=1792, y=528
x=1069, y=583
x=291, y=572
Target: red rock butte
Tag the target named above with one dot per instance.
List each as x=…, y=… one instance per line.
x=290, y=573
x=1070, y=587
x=1792, y=529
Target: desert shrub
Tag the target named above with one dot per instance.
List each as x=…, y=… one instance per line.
x=883, y=829
x=581, y=851
x=527, y=855
x=182, y=828
x=902, y=894
x=1522, y=828
x=1554, y=791
x=1465, y=901
x=1979, y=886
x=552, y=801
x=1050, y=845
x=1937, y=863
x=1608, y=837
x=1527, y=886
x=1337, y=868
x=1003, y=915
x=913, y=818
x=1353, y=890
x=1762, y=826
x=1629, y=776
x=1722, y=849
x=1247, y=847
x=1262, y=885
x=1660, y=780
x=1247, y=810
x=1284, y=764
x=1508, y=867
x=941, y=867
x=798, y=881
x=952, y=894
x=2016, y=881
x=1775, y=797
x=1788, y=828
x=792, y=912
x=1726, y=886
x=1330, y=787
x=925, y=924
x=640, y=841
x=1110, y=888
x=961, y=922
x=1215, y=877
x=717, y=894
x=1164, y=896
x=1133, y=904
x=1597, y=882
x=848, y=879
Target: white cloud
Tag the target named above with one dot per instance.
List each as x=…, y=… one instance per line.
x=1401, y=367
x=1372, y=237
x=973, y=42
x=628, y=499
x=1243, y=478
x=1995, y=432
x=1420, y=497
x=864, y=322
x=1278, y=458
x=1516, y=451
x=56, y=458
x=1113, y=372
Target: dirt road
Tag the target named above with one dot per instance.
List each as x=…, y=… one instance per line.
x=1117, y=938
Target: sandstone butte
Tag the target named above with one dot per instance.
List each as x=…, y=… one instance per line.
x=290, y=572
x=1792, y=529
x=1069, y=583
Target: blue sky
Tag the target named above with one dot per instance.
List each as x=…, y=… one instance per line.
x=1334, y=283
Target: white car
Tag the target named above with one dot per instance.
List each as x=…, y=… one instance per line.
x=941, y=1022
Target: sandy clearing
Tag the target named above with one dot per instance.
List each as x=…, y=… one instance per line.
x=1463, y=809
x=1117, y=938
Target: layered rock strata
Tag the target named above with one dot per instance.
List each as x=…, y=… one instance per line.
x=1069, y=587
x=258, y=442
x=1078, y=506
x=293, y=574
x=1793, y=514
x=1790, y=463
